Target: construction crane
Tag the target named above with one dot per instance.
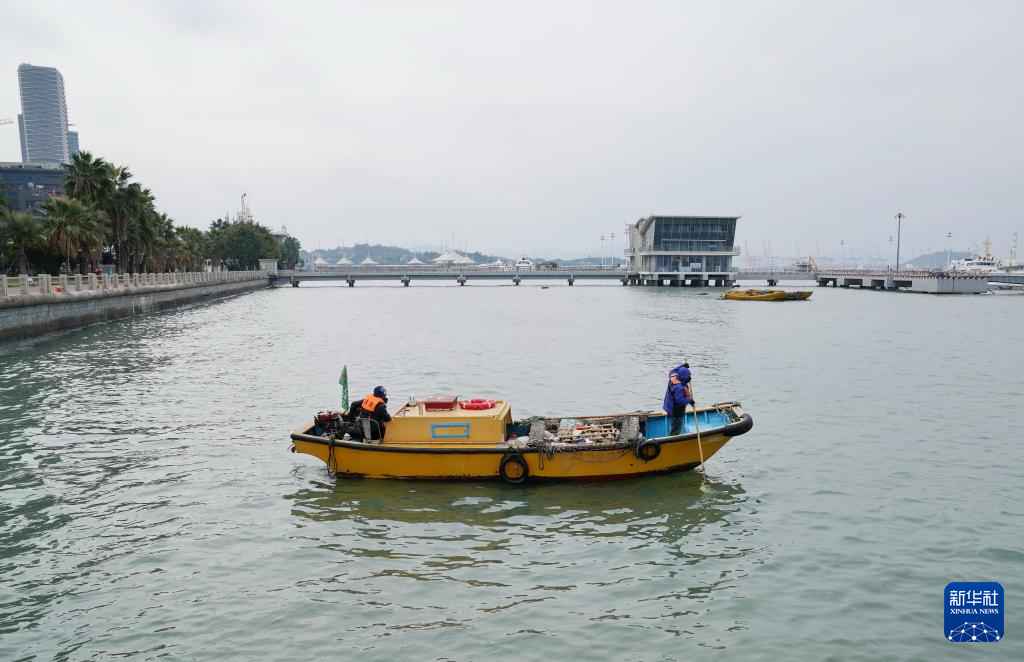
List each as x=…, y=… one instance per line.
x=8, y=120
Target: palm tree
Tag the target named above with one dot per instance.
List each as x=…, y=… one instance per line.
x=142, y=238
x=166, y=244
x=132, y=210
x=93, y=239
x=117, y=202
x=192, y=248
x=23, y=232
x=71, y=226
x=89, y=179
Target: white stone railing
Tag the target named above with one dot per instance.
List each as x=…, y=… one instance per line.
x=13, y=286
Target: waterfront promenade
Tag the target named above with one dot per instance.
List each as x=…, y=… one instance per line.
x=76, y=284
x=30, y=306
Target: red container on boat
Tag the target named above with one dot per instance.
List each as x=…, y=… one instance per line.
x=440, y=402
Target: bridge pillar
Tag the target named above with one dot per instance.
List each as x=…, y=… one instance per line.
x=571, y=280
x=405, y=281
x=625, y=281
x=294, y=281
x=515, y=281
x=351, y=282
x=461, y=280
x=772, y=282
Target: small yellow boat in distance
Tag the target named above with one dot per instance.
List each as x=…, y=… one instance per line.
x=483, y=442
x=767, y=295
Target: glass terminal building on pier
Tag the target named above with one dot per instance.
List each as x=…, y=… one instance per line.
x=682, y=250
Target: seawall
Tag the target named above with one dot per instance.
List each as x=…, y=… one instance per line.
x=67, y=308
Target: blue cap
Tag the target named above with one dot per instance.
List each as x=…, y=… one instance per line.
x=379, y=391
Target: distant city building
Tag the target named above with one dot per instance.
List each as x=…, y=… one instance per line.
x=698, y=245
x=26, y=186
x=43, y=121
x=22, y=140
x=73, y=143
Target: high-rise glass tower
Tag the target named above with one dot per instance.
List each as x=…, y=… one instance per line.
x=44, y=115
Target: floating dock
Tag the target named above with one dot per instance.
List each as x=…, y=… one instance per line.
x=928, y=282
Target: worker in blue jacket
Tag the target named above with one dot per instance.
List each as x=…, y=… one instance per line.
x=683, y=370
x=676, y=398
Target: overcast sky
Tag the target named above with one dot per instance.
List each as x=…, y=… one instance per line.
x=537, y=127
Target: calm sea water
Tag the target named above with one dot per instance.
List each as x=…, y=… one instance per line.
x=149, y=507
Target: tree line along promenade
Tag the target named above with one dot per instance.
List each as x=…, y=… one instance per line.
x=95, y=217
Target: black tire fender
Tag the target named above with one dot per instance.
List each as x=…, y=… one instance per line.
x=648, y=450
x=517, y=473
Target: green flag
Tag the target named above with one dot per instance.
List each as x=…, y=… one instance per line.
x=343, y=382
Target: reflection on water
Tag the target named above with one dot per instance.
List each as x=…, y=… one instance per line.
x=644, y=554
x=664, y=509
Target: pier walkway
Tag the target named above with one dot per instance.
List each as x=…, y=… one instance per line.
x=932, y=282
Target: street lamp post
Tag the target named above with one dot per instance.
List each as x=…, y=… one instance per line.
x=899, y=228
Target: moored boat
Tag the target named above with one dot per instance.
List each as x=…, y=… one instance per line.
x=767, y=295
x=445, y=438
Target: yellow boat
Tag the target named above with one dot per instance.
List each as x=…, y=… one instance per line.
x=479, y=440
x=766, y=295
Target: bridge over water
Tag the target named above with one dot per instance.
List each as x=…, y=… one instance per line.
x=407, y=275
x=461, y=276
x=927, y=280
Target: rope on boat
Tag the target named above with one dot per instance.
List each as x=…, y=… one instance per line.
x=548, y=450
x=332, y=460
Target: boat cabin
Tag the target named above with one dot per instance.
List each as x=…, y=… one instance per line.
x=446, y=419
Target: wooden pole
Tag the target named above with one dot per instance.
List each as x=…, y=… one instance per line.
x=700, y=448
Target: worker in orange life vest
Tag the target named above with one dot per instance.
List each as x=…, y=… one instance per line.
x=374, y=408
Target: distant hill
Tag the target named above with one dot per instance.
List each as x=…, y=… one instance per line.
x=936, y=260
x=388, y=254
x=382, y=254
